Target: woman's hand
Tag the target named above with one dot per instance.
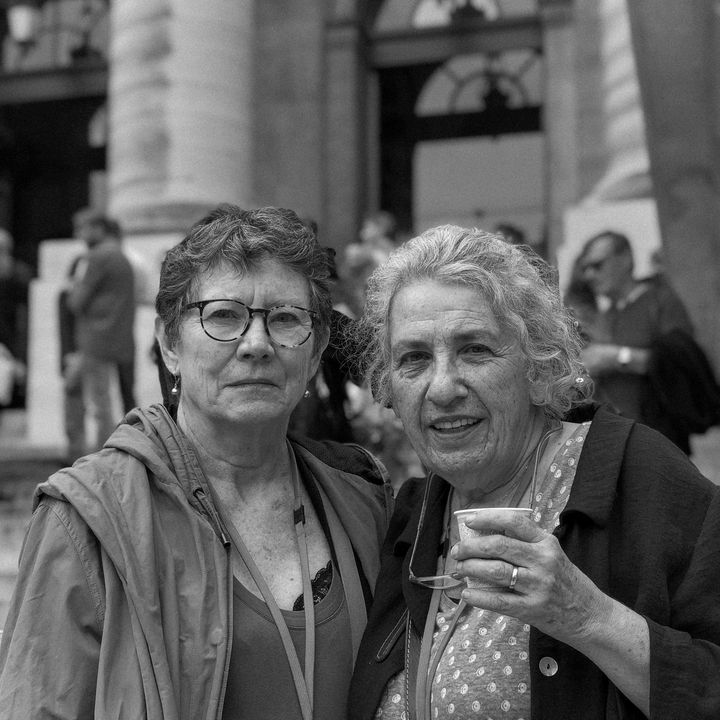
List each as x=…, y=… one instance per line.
x=553, y=595
x=549, y=591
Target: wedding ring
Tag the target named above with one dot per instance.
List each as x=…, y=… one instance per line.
x=513, y=579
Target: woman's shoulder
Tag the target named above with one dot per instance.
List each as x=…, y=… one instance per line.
x=649, y=452
x=646, y=462
x=99, y=488
x=350, y=475
x=347, y=457
x=57, y=517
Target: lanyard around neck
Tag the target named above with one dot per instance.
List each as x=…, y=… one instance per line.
x=304, y=683
x=429, y=661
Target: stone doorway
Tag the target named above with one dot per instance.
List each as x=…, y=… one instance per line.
x=47, y=165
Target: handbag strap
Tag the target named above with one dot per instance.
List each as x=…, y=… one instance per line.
x=412, y=659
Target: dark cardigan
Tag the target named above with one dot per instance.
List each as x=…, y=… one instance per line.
x=644, y=525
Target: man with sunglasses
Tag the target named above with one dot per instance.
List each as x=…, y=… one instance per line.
x=631, y=317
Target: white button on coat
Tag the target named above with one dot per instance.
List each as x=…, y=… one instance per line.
x=548, y=666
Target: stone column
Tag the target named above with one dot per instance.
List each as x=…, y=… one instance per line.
x=676, y=46
x=180, y=107
x=627, y=172
x=614, y=187
x=559, y=116
x=288, y=140
x=346, y=123
x=180, y=123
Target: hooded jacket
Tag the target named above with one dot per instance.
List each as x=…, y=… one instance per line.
x=123, y=606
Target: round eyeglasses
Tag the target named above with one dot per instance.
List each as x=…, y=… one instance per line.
x=227, y=320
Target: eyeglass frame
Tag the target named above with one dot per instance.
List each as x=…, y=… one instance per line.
x=444, y=582
x=201, y=304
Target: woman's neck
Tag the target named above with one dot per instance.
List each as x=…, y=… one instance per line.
x=239, y=458
x=514, y=489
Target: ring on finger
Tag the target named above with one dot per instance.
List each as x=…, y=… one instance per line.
x=513, y=578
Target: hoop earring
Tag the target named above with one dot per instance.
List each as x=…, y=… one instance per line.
x=306, y=394
x=175, y=390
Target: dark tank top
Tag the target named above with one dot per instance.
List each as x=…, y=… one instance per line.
x=260, y=684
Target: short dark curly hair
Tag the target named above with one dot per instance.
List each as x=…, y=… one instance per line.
x=242, y=239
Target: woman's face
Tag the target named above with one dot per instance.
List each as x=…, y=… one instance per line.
x=250, y=380
x=458, y=383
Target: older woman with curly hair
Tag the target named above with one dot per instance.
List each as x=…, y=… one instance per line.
x=601, y=600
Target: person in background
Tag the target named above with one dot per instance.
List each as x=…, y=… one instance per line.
x=580, y=299
x=322, y=413
x=125, y=362
x=15, y=277
x=202, y=565
x=602, y=603
x=71, y=367
x=374, y=427
x=101, y=296
x=628, y=333
x=376, y=240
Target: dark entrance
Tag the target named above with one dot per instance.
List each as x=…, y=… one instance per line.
x=45, y=164
x=405, y=61
x=401, y=129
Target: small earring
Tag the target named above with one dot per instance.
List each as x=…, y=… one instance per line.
x=176, y=387
x=306, y=394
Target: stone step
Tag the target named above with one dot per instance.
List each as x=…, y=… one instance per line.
x=12, y=532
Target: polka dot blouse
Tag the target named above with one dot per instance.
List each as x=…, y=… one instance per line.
x=484, y=672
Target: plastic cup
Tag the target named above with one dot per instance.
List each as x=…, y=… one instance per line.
x=467, y=532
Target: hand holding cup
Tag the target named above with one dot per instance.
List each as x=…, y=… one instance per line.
x=478, y=515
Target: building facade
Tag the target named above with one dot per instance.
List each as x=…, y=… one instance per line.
x=160, y=109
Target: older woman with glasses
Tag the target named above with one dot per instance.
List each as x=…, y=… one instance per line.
x=601, y=599
x=203, y=564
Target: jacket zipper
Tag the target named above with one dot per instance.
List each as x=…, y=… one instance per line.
x=209, y=509
x=201, y=497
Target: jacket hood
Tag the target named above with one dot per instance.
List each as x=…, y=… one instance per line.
x=148, y=436
x=160, y=560
x=120, y=512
